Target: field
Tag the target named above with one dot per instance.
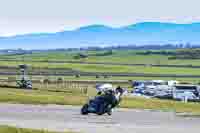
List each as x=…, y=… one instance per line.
x=69, y=93
x=118, y=56
x=44, y=60
x=113, y=68
x=109, y=68
x=8, y=129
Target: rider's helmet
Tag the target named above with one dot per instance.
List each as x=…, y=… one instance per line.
x=104, y=88
x=119, y=90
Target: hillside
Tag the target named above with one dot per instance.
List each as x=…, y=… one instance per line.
x=100, y=35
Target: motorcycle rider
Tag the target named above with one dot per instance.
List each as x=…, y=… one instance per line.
x=106, y=99
x=111, y=97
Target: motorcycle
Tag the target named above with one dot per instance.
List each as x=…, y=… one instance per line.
x=101, y=105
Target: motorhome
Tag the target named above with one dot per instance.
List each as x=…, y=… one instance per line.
x=186, y=92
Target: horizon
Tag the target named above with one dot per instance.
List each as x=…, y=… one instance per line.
x=142, y=47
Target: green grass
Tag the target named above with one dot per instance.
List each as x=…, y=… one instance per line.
x=45, y=97
x=110, y=68
x=9, y=129
x=118, y=57
x=164, y=105
x=40, y=97
x=127, y=56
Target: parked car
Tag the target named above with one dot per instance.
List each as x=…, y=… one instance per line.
x=163, y=92
x=147, y=87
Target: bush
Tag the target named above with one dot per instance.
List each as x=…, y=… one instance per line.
x=186, y=54
x=80, y=56
x=60, y=80
x=97, y=76
x=77, y=75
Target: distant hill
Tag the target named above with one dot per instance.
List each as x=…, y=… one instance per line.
x=100, y=35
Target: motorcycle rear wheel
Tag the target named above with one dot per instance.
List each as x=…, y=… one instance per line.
x=110, y=112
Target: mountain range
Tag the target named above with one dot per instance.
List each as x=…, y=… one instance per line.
x=100, y=35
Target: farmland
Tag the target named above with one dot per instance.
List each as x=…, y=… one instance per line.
x=73, y=86
x=92, y=63
x=108, y=68
x=117, y=56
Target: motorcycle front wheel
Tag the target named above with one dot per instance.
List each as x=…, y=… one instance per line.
x=84, y=109
x=101, y=110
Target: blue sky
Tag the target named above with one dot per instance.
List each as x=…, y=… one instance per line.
x=28, y=16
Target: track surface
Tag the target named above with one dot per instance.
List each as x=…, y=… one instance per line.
x=98, y=63
x=113, y=74
x=61, y=118
x=70, y=72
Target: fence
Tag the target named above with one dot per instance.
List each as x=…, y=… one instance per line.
x=53, y=85
x=62, y=85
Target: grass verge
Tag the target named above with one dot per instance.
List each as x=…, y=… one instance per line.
x=164, y=105
x=8, y=129
x=61, y=98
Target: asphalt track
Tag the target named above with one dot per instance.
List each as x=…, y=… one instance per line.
x=70, y=72
x=61, y=118
x=101, y=63
x=73, y=73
